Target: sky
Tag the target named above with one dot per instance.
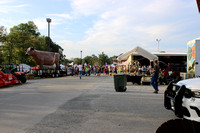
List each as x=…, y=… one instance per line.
x=109, y=26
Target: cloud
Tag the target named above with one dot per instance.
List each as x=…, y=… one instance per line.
x=113, y=26
x=66, y=16
x=131, y=21
x=7, y=6
x=6, y=1
x=90, y=7
x=122, y=25
x=42, y=22
x=71, y=49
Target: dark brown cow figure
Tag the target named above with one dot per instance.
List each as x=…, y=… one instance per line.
x=43, y=57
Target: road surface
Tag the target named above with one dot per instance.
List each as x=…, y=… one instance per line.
x=87, y=105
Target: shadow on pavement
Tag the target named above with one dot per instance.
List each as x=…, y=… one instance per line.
x=179, y=126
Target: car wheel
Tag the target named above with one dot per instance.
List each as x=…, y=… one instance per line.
x=167, y=102
x=178, y=101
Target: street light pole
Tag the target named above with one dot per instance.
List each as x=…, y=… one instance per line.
x=158, y=40
x=49, y=21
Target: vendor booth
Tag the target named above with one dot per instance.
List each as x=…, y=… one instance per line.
x=133, y=64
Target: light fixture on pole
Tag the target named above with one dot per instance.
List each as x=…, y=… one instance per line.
x=49, y=21
x=158, y=40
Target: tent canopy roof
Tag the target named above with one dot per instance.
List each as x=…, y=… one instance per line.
x=140, y=51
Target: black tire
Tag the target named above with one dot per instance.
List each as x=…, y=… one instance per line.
x=178, y=102
x=167, y=101
x=21, y=78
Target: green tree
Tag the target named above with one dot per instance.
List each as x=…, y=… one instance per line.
x=3, y=34
x=77, y=61
x=29, y=27
x=23, y=36
x=113, y=57
x=18, y=40
x=53, y=47
x=3, y=37
x=103, y=59
x=94, y=59
x=66, y=61
x=87, y=60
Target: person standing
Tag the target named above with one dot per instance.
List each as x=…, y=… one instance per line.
x=76, y=71
x=154, y=79
x=80, y=70
x=86, y=71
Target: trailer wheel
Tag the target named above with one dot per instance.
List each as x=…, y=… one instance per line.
x=53, y=75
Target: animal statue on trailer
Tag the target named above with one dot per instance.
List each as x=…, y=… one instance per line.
x=44, y=57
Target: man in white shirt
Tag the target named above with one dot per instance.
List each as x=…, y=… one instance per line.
x=80, y=70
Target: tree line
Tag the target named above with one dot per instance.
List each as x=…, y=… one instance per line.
x=101, y=60
x=13, y=47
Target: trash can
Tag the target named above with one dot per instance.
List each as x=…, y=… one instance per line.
x=120, y=82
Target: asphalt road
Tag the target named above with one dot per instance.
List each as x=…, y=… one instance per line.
x=89, y=105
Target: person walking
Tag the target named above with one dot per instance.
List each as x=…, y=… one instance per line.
x=80, y=70
x=76, y=71
x=154, y=79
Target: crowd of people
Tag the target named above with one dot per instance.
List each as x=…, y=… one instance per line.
x=87, y=70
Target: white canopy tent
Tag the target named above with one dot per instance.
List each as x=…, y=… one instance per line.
x=140, y=51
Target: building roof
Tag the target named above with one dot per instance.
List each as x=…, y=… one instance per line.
x=169, y=54
x=139, y=51
x=151, y=56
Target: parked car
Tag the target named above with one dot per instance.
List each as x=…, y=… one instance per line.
x=69, y=70
x=172, y=73
x=183, y=98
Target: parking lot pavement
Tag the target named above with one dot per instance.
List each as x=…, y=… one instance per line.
x=100, y=109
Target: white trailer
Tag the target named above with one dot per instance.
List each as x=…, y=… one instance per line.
x=193, y=57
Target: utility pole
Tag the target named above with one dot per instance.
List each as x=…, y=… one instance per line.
x=158, y=40
x=49, y=21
